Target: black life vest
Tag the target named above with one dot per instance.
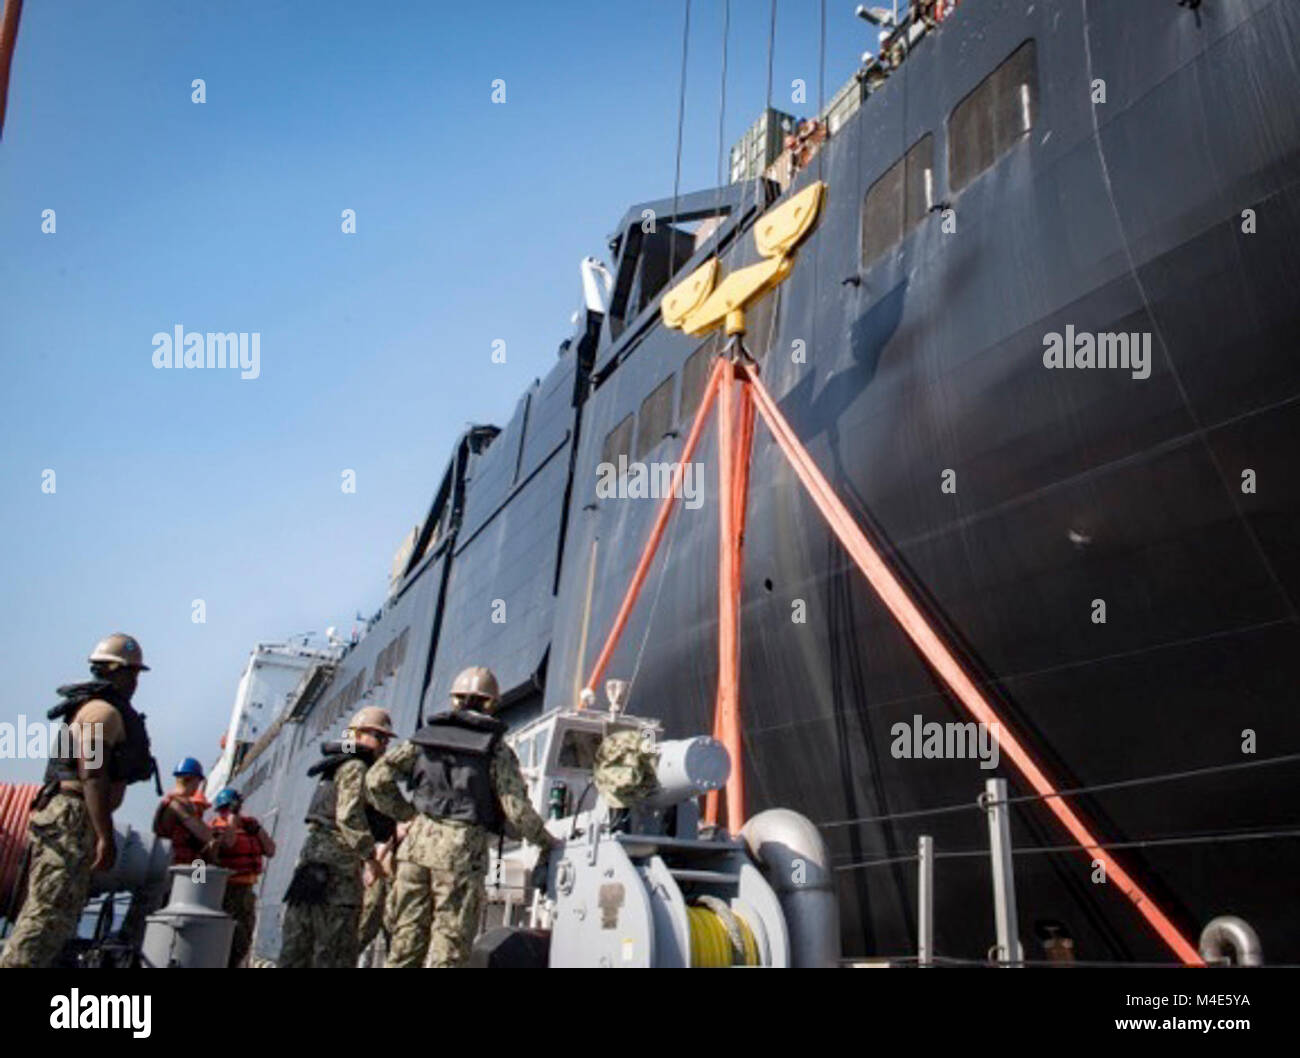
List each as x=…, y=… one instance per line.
x=325, y=799
x=130, y=760
x=453, y=774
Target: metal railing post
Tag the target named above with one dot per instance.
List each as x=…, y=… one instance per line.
x=1004, y=877
x=925, y=900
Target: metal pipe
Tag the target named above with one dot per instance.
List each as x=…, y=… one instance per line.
x=1231, y=938
x=797, y=866
x=139, y=864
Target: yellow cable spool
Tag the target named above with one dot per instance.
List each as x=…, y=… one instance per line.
x=712, y=940
x=709, y=944
x=751, y=945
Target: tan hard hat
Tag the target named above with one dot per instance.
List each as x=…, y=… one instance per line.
x=478, y=681
x=119, y=649
x=372, y=718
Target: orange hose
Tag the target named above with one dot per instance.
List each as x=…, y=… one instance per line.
x=15, y=811
x=949, y=669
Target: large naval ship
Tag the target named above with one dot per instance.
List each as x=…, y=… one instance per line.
x=1110, y=550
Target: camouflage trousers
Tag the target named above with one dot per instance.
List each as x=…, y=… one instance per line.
x=240, y=903
x=435, y=916
x=375, y=911
x=320, y=935
x=58, y=882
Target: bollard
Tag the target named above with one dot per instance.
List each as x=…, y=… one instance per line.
x=191, y=932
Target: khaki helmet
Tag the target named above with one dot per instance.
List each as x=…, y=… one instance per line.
x=476, y=682
x=372, y=718
x=118, y=649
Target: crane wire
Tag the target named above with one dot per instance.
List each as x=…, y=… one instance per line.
x=681, y=117
x=821, y=93
x=756, y=181
x=722, y=98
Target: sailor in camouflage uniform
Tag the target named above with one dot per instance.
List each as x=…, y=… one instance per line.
x=105, y=748
x=373, y=899
x=466, y=787
x=376, y=904
x=323, y=917
x=625, y=769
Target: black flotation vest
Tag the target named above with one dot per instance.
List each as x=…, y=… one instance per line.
x=324, y=801
x=130, y=760
x=453, y=774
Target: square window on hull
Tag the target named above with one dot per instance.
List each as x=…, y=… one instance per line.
x=655, y=418
x=618, y=442
x=695, y=376
x=898, y=201
x=993, y=118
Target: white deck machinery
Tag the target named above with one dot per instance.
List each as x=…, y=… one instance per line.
x=647, y=885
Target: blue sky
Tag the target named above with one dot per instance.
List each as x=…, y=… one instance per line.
x=375, y=347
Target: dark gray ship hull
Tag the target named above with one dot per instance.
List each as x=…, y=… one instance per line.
x=1071, y=486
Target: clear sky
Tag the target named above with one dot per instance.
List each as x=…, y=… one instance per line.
x=471, y=218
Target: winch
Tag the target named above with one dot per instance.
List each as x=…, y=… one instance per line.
x=639, y=881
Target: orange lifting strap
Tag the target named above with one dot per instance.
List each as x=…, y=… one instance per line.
x=735, y=435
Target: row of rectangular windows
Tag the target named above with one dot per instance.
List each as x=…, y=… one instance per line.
x=981, y=128
x=388, y=662
x=655, y=420
x=349, y=694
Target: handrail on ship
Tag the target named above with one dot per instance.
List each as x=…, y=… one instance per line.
x=1034, y=850
x=1214, y=769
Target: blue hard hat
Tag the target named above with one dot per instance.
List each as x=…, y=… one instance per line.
x=189, y=766
x=227, y=796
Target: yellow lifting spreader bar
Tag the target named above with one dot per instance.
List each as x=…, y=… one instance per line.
x=700, y=304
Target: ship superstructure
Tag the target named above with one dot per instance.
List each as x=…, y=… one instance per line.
x=271, y=676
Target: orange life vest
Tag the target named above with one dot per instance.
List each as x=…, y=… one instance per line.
x=244, y=857
x=186, y=848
